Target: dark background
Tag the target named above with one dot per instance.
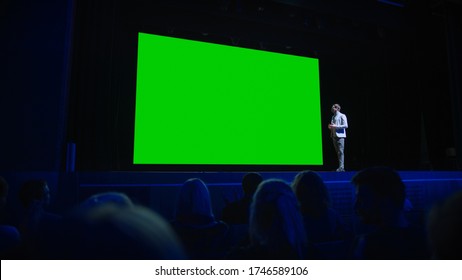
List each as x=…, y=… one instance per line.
x=68, y=73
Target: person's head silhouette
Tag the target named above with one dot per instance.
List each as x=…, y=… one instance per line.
x=250, y=183
x=275, y=220
x=34, y=192
x=312, y=193
x=380, y=196
x=445, y=228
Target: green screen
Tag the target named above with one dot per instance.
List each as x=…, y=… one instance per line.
x=204, y=103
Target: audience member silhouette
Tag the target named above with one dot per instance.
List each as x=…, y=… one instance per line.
x=237, y=212
x=275, y=227
x=112, y=231
x=445, y=228
x=380, y=196
x=34, y=196
x=203, y=236
x=9, y=235
x=33, y=220
x=322, y=222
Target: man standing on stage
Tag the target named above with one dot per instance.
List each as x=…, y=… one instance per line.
x=338, y=126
